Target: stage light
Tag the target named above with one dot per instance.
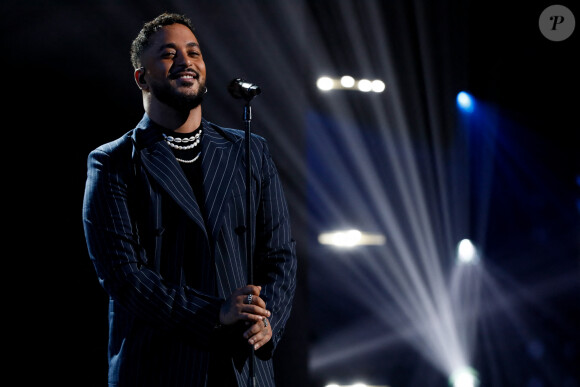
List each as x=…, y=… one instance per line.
x=350, y=238
x=464, y=377
x=378, y=86
x=465, y=102
x=365, y=85
x=325, y=83
x=466, y=252
x=347, y=81
x=353, y=385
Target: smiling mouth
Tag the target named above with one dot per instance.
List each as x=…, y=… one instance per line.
x=185, y=75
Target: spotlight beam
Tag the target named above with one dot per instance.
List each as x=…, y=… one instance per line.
x=412, y=270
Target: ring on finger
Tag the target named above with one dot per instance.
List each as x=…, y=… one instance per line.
x=265, y=320
x=249, y=299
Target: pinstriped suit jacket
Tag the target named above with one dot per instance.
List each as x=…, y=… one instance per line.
x=160, y=329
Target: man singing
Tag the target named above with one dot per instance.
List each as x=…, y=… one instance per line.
x=164, y=215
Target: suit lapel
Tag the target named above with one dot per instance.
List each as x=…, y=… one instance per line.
x=160, y=162
x=221, y=155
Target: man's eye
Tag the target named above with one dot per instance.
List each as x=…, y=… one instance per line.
x=168, y=54
x=194, y=53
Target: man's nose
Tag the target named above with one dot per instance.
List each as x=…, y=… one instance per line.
x=183, y=59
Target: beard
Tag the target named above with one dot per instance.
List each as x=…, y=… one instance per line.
x=179, y=101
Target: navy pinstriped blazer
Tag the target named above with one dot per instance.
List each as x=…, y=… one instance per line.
x=160, y=329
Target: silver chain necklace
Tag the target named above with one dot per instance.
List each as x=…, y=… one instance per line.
x=188, y=161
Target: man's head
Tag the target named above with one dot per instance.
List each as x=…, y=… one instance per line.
x=168, y=63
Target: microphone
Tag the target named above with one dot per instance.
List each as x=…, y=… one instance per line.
x=239, y=88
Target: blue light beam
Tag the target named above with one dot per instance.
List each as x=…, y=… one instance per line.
x=465, y=102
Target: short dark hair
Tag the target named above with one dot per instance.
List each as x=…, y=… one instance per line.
x=143, y=39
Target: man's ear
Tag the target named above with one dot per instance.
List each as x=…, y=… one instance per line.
x=140, y=78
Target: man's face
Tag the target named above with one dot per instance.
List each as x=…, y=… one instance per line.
x=174, y=68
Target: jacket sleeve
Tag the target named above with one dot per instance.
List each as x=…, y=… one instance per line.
x=275, y=255
x=120, y=260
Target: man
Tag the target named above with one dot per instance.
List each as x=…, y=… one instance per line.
x=164, y=217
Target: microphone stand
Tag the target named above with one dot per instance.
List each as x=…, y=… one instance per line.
x=249, y=230
x=239, y=88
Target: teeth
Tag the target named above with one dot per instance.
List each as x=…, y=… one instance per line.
x=186, y=76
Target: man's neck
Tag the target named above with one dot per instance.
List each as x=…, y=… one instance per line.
x=175, y=120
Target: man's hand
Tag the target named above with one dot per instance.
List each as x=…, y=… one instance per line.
x=246, y=305
x=259, y=333
x=236, y=307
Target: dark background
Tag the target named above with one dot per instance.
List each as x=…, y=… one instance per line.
x=68, y=87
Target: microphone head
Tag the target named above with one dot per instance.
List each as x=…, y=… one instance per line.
x=241, y=89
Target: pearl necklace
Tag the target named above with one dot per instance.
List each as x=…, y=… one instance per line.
x=171, y=141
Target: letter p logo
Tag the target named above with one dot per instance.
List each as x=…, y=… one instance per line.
x=557, y=23
x=557, y=20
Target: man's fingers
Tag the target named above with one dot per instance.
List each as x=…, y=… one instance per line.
x=261, y=326
x=254, y=313
x=259, y=333
x=254, y=300
x=248, y=289
x=244, y=304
